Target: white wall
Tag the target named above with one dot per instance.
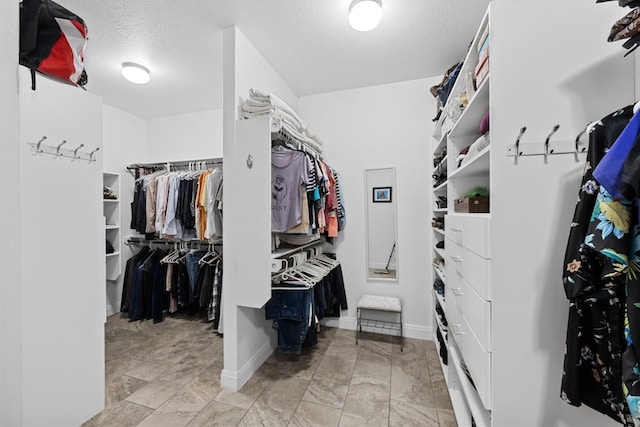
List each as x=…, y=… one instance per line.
x=125, y=138
x=10, y=250
x=62, y=239
x=374, y=127
x=248, y=338
x=185, y=137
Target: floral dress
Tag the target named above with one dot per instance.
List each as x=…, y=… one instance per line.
x=594, y=280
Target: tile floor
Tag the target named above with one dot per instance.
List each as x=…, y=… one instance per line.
x=168, y=374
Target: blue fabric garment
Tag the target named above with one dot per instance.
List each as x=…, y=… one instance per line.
x=609, y=171
x=634, y=405
x=193, y=268
x=291, y=311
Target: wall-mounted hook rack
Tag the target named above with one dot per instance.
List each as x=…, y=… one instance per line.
x=75, y=152
x=546, y=142
x=517, y=152
x=520, y=149
x=60, y=151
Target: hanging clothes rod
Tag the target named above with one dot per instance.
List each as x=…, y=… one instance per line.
x=189, y=244
x=177, y=165
x=59, y=151
x=279, y=133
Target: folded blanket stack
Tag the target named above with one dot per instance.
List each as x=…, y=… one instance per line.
x=263, y=104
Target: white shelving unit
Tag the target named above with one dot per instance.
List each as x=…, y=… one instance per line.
x=460, y=248
x=112, y=223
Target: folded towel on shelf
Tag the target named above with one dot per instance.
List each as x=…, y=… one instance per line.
x=264, y=104
x=260, y=95
x=251, y=106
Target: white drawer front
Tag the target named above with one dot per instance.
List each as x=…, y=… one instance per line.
x=452, y=312
x=477, y=313
x=471, y=307
x=477, y=360
x=472, y=267
x=470, y=231
x=479, y=363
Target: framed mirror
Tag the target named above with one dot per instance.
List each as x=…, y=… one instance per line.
x=381, y=229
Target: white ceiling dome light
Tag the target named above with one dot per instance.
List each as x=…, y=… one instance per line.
x=135, y=73
x=365, y=15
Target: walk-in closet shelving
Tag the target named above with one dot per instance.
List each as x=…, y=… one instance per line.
x=451, y=138
x=111, y=212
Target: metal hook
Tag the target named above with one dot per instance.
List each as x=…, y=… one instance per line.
x=91, y=159
x=58, y=153
x=38, y=150
x=75, y=152
x=523, y=129
x=546, y=142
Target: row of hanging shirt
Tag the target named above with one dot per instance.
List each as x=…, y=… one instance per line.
x=602, y=274
x=183, y=205
x=182, y=280
x=306, y=197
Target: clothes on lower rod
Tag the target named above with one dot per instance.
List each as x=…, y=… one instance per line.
x=151, y=287
x=296, y=312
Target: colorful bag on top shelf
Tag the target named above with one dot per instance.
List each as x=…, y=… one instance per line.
x=52, y=42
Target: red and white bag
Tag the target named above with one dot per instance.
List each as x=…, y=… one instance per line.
x=52, y=41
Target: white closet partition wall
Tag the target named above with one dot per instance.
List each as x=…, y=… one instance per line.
x=248, y=337
x=62, y=260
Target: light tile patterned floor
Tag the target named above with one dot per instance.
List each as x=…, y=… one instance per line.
x=168, y=374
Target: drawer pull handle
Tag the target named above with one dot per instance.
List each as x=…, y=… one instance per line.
x=460, y=229
x=457, y=259
x=456, y=292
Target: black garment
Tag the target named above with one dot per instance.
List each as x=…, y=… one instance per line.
x=595, y=333
x=623, y=3
x=593, y=363
x=137, y=191
x=604, y=134
x=129, y=274
x=338, y=293
x=141, y=215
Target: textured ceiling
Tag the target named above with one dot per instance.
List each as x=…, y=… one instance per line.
x=309, y=42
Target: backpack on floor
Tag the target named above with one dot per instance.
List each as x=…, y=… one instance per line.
x=52, y=42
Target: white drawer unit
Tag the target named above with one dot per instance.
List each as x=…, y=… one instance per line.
x=471, y=231
x=475, y=269
x=478, y=360
x=475, y=310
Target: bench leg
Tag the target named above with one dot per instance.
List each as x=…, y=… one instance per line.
x=358, y=325
x=401, y=336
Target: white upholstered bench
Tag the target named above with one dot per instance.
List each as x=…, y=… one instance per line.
x=379, y=303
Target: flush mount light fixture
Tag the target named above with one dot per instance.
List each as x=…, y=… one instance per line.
x=135, y=73
x=365, y=15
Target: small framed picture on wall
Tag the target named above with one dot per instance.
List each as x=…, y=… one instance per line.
x=381, y=194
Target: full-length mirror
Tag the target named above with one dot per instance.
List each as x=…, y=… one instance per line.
x=382, y=249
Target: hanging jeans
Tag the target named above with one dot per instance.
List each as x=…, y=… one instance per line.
x=292, y=312
x=193, y=269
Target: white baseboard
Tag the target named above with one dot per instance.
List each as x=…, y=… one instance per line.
x=234, y=380
x=408, y=330
x=112, y=309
